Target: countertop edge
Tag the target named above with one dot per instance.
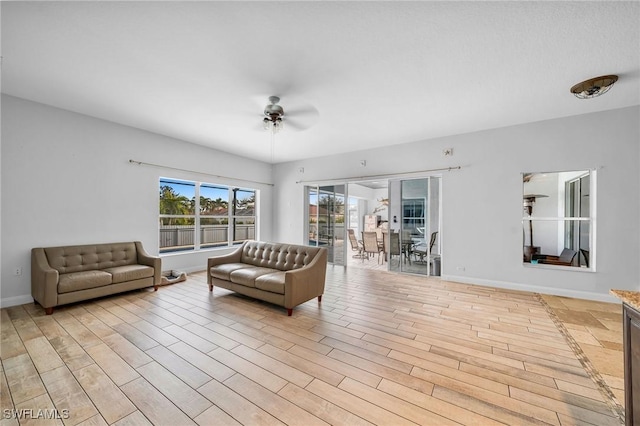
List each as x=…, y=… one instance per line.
x=631, y=298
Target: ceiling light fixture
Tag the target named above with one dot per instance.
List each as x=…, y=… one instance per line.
x=273, y=112
x=594, y=87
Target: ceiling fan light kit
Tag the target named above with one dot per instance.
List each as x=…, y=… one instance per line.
x=594, y=87
x=273, y=115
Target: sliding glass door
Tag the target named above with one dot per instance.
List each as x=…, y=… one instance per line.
x=326, y=219
x=414, y=232
x=409, y=234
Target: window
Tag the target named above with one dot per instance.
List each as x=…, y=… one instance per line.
x=558, y=219
x=214, y=216
x=413, y=216
x=354, y=215
x=244, y=215
x=177, y=215
x=196, y=215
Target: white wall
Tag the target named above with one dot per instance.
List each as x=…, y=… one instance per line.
x=482, y=202
x=66, y=179
x=378, y=195
x=359, y=191
x=363, y=195
x=368, y=201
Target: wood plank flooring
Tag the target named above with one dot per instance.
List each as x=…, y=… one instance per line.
x=381, y=349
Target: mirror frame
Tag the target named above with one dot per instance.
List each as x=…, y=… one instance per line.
x=567, y=201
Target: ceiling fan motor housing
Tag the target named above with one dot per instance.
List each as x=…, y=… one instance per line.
x=273, y=111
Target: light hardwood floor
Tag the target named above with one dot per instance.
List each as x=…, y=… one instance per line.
x=381, y=348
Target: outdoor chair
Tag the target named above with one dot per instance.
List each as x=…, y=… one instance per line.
x=370, y=242
x=355, y=245
x=420, y=250
x=393, y=244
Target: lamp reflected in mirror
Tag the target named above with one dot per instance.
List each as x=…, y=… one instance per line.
x=528, y=201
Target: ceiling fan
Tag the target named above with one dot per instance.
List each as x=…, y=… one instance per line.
x=300, y=118
x=273, y=115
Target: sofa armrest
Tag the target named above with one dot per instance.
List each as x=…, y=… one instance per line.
x=305, y=283
x=154, y=261
x=44, y=279
x=233, y=257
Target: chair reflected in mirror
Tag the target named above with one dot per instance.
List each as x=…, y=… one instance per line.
x=585, y=255
x=566, y=258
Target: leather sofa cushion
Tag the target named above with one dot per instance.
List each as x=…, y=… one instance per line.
x=223, y=272
x=283, y=257
x=129, y=273
x=247, y=276
x=273, y=282
x=69, y=259
x=83, y=280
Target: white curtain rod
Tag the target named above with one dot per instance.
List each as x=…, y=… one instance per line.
x=142, y=163
x=382, y=176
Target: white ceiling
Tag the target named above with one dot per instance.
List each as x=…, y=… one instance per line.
x=366, y=74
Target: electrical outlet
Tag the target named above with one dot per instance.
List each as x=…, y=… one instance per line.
x=17, y=272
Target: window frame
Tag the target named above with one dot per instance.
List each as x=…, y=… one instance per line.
x=414, y=214
x=199, y=217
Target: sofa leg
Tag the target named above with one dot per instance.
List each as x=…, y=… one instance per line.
x=289, y=312
x=319, y=298
x=48, y=311
x=155, y=288
x=210, y=287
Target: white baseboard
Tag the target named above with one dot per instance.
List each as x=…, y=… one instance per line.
x=534, y=288
x=192, y=269
x=16, y=300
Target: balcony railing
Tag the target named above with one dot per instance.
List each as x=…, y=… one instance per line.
x=182, y=237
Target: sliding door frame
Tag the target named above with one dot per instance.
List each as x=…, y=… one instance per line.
x=337, y=244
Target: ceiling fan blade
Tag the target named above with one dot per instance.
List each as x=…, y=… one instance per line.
x=281, y=74
x=303, y=111
x=293, y=124
x=301, y=118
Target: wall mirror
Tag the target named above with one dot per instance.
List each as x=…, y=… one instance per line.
x=558, y=226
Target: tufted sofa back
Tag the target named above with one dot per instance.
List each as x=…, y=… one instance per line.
x=89, y=257
x=284, y=257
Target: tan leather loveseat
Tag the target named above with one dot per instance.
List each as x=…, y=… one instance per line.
x=61, y=275
x=283, y=274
